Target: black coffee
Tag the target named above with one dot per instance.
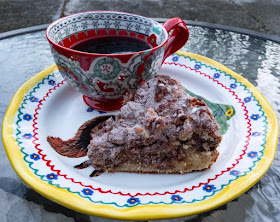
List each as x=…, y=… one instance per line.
x=112, y=45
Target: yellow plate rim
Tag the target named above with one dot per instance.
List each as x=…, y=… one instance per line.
x=147, y=212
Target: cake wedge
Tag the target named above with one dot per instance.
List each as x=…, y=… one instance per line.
x=159, y=130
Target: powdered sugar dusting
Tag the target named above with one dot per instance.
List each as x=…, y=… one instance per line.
x=154, y=125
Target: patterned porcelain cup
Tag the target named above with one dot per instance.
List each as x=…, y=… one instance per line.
x=103, y=79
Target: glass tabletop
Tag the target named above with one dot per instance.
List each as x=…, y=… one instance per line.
x=23, y=56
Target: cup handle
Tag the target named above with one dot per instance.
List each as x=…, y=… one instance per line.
x=178, y=38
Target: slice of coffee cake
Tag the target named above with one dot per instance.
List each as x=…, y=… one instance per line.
x=160, y=129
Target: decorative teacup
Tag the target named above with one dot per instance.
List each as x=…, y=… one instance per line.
x=105, y=78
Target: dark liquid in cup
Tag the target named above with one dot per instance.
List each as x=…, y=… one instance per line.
x=112, y=45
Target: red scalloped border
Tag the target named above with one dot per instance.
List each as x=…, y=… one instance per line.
x=141, y=194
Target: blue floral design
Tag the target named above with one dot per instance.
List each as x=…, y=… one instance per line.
x=89, y=110
x=35, y=156
x=234, y=172
x=133, y=200
x=197, y=66
x=27, y=117
x=256, y=134
x=101, y=112
x=33, y=99
x=27, y=136
x=255, y=116
x=51, y=82
x=175, y=58
x=247, y=99
x=176, y=198
x=233, y=86
x=216, y=75
x=252, y=154
x=87, y=192
x=52, y=176
x=209, y=188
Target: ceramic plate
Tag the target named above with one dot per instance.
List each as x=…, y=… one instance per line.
x=46, y=106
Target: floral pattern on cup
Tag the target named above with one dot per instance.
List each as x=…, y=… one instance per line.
x=156, y=62
x=107, y=68
x=109, y=76
x=153, y=64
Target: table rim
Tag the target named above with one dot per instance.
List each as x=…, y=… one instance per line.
x=228, y=28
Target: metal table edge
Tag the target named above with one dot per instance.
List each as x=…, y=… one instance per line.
x=256, y=34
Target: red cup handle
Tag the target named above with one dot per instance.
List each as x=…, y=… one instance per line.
x=178, y=38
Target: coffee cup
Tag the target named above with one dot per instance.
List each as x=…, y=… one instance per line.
x=105, y=54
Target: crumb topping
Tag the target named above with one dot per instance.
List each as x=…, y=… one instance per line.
x=158, y=122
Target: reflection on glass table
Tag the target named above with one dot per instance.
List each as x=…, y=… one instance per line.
x=25, y=55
